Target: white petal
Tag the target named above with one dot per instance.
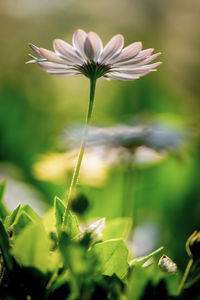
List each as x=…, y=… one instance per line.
x=89, y=51
x=128, y=52
x=113, y=47
x=66, y=51
x=137, y=61
x=125, y=76
x=78, y=41
x=136, y=69
x=52, y=67
x=149, y=59
x=51, y=56
x=146, y=52
x=96, y=44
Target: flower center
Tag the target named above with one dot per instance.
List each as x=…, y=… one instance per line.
x=93, y=69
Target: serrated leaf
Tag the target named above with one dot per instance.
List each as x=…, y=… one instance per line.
x=5, y=247
x=23, y=220
x=32, y=214
x=10, y=220
x=113, y=255
x=117, y=228
x=59, y=209
x=4, y=212
x=71, y=226
x=32, y=248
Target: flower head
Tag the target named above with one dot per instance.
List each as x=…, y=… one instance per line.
x=87, y=56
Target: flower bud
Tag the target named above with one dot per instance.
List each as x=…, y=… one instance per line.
x=79, y=204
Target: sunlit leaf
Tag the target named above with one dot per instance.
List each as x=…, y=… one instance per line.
x=73, y=254
x=31, y=213
x=13, y=217
x=23, y=220
x=59, y=209
x=71, y=226
x=31, y=248
x=117, y=228
x=113, y=255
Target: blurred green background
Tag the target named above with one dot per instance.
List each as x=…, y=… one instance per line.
x=35, y=107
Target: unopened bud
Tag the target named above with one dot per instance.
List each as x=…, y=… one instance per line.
x=79, y=204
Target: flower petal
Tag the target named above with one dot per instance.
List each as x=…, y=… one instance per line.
x=66, y=51
x=112, y=48
x=128, y=52
x=125, y=76
x=96, y=43
x=89, y=51
x=51, y=56
x=78, y=41
x=146, y=52
x=53, y=67
x=138, y=61
x=57, y=71
x=34, y=48
x=136, y=69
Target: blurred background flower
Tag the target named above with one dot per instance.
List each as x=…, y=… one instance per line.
x=35, y=107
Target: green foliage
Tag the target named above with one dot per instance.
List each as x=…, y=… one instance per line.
x=80, y=262
x=3, y=210
x=113, y=255
x=36, y=246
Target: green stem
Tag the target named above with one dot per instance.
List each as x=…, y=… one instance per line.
x=80, y=157
x=185, y=276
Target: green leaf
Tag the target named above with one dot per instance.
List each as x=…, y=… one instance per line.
x=59, y=209
x=23, y=220
x=77, y=258
x=113, y=255
x=4, y=212
x=143, y=259
x=138, y=281
x=141, y=276
x=32, y=248
x=117, y=228
x=5, y=247
x=73, y=254
x=32, y=214
x=10, y=220
x=72, y=226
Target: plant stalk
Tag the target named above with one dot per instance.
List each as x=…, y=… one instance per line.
x=185, y=276
x=82, y=149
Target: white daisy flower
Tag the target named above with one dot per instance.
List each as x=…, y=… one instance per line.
x=87, y=56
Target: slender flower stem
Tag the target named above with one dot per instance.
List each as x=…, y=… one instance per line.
x=80, y=157
x=185, y=276
x=128, y=188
